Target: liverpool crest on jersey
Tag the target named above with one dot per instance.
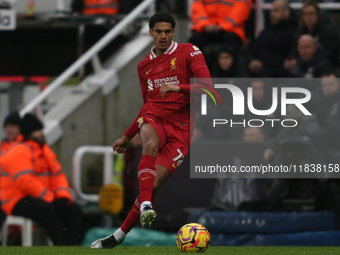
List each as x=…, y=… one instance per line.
x=173, y=64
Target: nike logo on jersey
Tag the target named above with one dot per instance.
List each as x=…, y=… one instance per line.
x=148, y=71
x=145, y=178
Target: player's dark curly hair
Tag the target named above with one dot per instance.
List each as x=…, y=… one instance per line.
x=162, y=17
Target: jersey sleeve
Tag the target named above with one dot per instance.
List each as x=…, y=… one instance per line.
x=194, y=57
x=203, y=82
x=197, y=65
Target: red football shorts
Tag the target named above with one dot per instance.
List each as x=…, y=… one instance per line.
x=174, y=142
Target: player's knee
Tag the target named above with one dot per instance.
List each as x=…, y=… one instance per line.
x=150, y=148
x=155, y=188
x=156, y=185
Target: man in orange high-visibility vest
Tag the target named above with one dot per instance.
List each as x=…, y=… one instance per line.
x=34, y=186
x=220, y=21
x=95, y=7
x=12, y=137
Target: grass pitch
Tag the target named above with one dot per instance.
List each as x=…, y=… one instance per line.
x=170, y=250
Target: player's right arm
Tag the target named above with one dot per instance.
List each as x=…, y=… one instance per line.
x=120, y=144
x=197, y=65
x=196, y=88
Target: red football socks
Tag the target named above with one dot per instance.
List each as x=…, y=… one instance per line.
x=146, y=176
x=132, y=218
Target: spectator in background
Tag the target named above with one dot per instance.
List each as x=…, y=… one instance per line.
x=260, y=100
x=34, y=186
x=328, y=116
x=13, y=137
x=328, y=112
x=329, y=84
x=219, y=22
x=95, y=7
x=320, y=27
x=274, y=43
x=253, y=134
x=12, y=132
x=230, y=64
x=311, y=61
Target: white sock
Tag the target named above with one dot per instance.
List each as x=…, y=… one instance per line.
x=144, y=204
x=119, y=234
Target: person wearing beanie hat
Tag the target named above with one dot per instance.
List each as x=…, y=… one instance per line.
x=11, y=127
x=12, y=132
x=32, y=129
x=13, y=118
x=34, y=186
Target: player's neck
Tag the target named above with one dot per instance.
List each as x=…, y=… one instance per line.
x=159, y=52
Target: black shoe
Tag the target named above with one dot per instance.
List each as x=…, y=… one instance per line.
x=105, y=243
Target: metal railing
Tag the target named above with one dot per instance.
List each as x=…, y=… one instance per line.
x=91, y=54
x=108, y=153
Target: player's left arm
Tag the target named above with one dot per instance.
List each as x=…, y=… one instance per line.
x=204, y=81
x=196, y=62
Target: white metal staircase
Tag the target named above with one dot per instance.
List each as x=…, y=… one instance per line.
x=104, y=78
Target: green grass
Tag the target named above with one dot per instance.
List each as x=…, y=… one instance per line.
x=170, y=250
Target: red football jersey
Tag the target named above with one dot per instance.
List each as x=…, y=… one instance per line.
x=176, y=66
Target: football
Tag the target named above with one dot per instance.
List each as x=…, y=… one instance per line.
x=193, y=237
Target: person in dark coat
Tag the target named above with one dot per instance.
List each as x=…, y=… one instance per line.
x=230, y=64
x=274, y=44
x=312, y=61
x=328, y=116
x=318, y=25
x=328, y=112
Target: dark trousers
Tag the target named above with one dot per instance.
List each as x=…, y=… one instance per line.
x=332, y=199
x=62, y=225
x=2, y=217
